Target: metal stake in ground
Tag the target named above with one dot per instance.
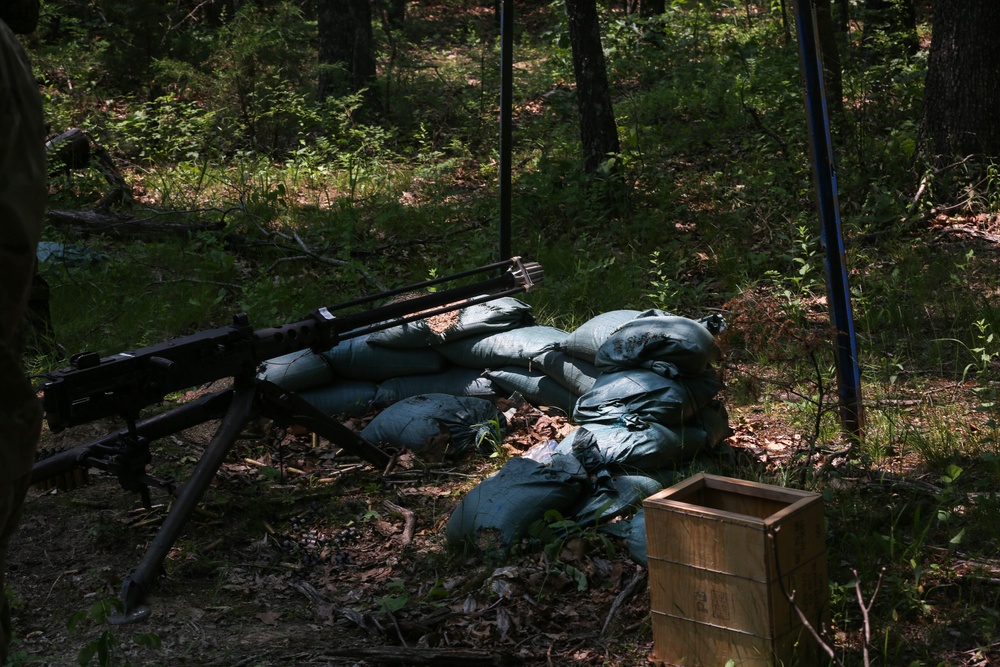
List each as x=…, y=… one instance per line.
x=838, y=290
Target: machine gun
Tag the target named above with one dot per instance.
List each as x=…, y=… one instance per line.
x=122, y=385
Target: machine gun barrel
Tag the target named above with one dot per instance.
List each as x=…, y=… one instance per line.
x=95, y=387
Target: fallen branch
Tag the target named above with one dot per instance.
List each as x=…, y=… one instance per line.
x=397, y=655
x=72, y=150
x=96, y=222
x=971, y=231
x=410, y=520
x=622, y=598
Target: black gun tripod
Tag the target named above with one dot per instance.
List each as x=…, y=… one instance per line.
x=123, y=384
x=126, y=453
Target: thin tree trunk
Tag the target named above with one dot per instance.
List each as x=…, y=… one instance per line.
x=832, y=70
x=346, y=47
x=598, y=129
x=843, y=17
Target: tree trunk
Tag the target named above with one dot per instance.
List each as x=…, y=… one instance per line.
x=346, y=47
x=843, y=17
x=598, y=129
x=962, y=92
x=652, y=7
x=395, y=12
x=832, y=70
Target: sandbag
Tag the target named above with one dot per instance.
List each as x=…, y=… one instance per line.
x=497, y=513
x=453, y=381
x=500, y=314
x=586, y=339
x=355, y=359
x=516, y=347
x=407, y=335
x=348, y=397
x=714, y=420
x=661, y=343
x=537, y=388
x=436, y=425
x=639, y=447
x=297, y=371
x=635, y=539
x=715, y=323
x=576, y=375
x=643, y=395
x=614, y=496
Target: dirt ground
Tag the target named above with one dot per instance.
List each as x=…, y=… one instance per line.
x=305, y=561
x=299, y=555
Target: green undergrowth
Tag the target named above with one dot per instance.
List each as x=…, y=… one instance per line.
x=709, y=207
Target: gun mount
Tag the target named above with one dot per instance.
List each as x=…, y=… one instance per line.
x=122, y=385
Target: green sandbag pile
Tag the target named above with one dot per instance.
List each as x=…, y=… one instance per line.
x=397, y=363
x=646, y=407
x=410, y=360
x=641, y=385
x=498, y=512
x=437, y=425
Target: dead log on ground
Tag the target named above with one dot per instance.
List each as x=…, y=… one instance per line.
x=98, y=222
x=69, y=150
x=399, y=655
x=73, y=149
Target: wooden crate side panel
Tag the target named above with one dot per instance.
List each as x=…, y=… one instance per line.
x=735, y=548
x=683, y=643
x=810, y=587
x=798, y=539
x=711, y=598
x=758, y=608
x=710, y=543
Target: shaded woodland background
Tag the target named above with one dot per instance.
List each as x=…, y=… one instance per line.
x=270, y=157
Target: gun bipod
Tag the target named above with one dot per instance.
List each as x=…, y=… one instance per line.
x=237, y=407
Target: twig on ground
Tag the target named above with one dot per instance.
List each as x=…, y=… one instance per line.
x=790, y=596
x=866, y=611
x=399, y=632
x=621, y=599
x=409, y=518
x=317, y=599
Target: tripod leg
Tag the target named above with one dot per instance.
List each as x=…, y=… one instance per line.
x=287, y=408
x=135, y=584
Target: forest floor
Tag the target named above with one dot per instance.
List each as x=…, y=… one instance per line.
x=301, y=556
x=317, y=567
x=311, y=567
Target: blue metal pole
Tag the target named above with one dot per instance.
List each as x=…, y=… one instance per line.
x=824, y=169
x=506, y=122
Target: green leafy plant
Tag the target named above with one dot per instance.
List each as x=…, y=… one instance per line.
x=554, y=531
x=397, y=600
x=106, y=647
x=489, y=439
x=673, y=289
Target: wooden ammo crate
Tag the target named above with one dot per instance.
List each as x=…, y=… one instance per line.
x=722, y=552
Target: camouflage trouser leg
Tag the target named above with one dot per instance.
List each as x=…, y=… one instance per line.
x=11, y=501
x=22, y=207
x=20, y=424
